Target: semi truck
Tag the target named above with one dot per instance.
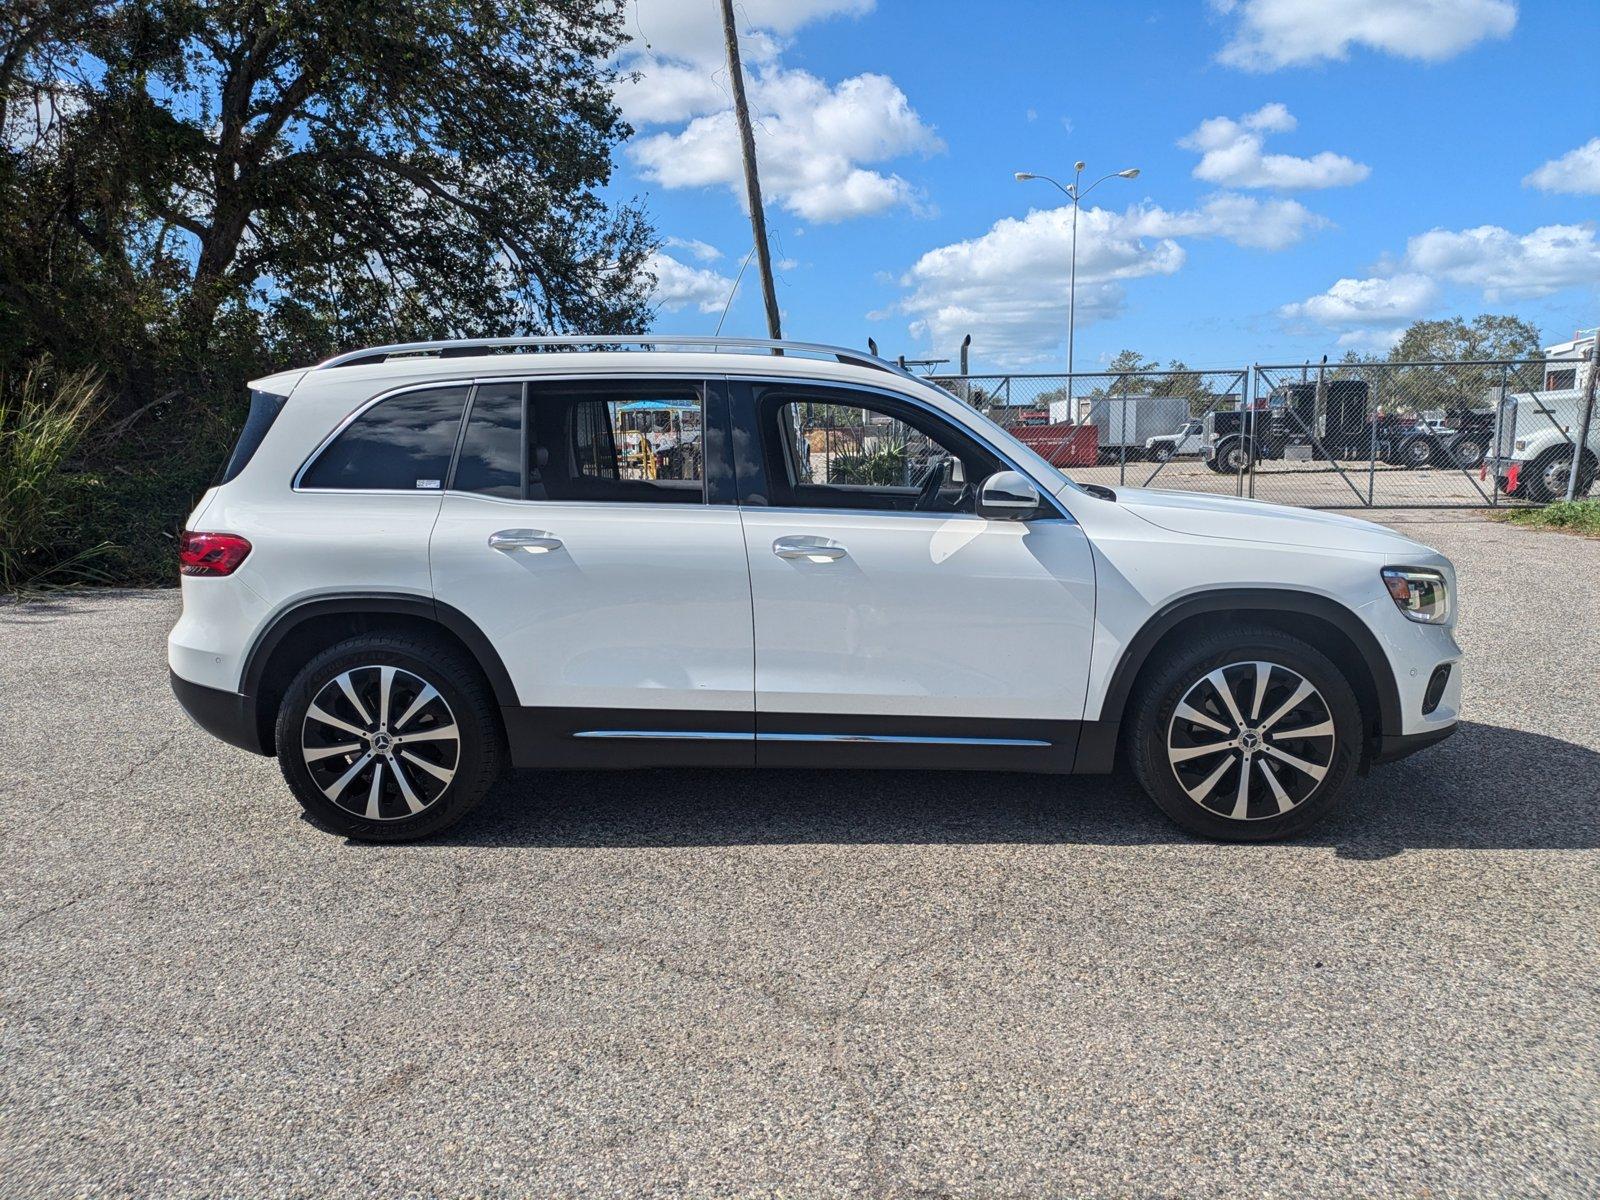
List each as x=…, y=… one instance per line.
x=1534, y=441
x=1339, y=425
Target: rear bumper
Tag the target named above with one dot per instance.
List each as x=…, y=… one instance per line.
x=1394, y=746
x=229, y=716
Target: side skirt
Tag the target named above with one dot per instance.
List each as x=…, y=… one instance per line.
x=628, y=738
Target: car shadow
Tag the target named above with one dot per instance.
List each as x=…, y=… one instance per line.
x=1487, y=788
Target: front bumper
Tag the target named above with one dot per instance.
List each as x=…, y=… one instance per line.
x=1507, y=473
x=1393, y=747
x=229, y=716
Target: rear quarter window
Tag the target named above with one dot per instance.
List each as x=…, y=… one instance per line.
x=401, y=444
x=264, y=410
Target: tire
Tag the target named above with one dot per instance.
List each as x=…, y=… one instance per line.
x=1232, y=457
x=1468, y=451
x=376, y=788
x=1161, y=454
x=1199, y=791
x=1416, y=453
x=1545, y=479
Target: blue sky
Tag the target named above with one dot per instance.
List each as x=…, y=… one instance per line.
x=1315, y=173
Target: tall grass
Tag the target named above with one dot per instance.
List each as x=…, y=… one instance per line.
x=44, y=414
x=1574, y=516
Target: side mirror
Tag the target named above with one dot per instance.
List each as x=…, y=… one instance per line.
x=1008, y=496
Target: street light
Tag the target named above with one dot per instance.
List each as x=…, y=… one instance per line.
x=1075, y=191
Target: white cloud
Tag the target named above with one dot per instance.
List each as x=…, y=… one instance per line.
x=818, y=143
x=1008, y=287
x=1232, y=155
x=1503, y=264
x=1390, y=301
x=1242, y=220
x=679, y=285
x=1270, y=34
x=658, y=91
x=1492, y=261
x=813, y=142
x=692, y=29
x=704, y=251
x=1370, y=341
x=1576, y=172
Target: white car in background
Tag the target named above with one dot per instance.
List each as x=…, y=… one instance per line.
x=1189, y=441
x=424, y=563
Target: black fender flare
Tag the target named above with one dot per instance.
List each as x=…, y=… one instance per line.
x=1097, y=748
x=429, y=609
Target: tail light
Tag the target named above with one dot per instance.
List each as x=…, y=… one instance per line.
x=211, y=553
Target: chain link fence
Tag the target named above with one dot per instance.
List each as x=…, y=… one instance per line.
x=1345, y=435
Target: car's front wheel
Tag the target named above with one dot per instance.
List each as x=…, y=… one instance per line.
x=1245, y=735
x=388, y=738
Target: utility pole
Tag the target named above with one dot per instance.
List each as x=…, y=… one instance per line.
x=752, y=181
x=1588, y=415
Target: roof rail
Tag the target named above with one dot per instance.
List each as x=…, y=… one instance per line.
x=459, y=348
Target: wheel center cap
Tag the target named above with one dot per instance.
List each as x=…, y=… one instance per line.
x=381, y=742
x=1250, y=740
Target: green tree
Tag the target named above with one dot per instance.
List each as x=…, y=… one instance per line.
x=309, y=172
x=1451, y=386
x=1487, y=335
x=195, y=191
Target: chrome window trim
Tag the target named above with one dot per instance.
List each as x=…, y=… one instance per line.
x=1047, y=494
x=597, y=505
x=472, y=386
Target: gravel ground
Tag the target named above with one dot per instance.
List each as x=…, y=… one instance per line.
x=698, y=983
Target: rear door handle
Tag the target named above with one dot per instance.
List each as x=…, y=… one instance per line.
x=532, y=541
x=808, y=549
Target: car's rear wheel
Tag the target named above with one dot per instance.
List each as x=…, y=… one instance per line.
x=389, y=738
x=1248, y=735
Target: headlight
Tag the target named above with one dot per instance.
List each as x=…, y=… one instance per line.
x=1421, y=595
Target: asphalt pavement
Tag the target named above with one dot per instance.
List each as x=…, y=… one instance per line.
x=696, y=983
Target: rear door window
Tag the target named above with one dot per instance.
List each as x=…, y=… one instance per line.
x=635, y=442
x=402, y=444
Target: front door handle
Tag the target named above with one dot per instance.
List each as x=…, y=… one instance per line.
x=532, y=541
x=808, y=549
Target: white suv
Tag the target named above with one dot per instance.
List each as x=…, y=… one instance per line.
x=426, y=562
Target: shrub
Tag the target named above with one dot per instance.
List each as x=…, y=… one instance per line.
x=1576, y=516
x=43, y=417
